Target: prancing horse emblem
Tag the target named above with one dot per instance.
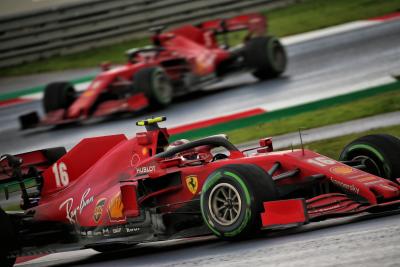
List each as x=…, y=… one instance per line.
x=192, y=183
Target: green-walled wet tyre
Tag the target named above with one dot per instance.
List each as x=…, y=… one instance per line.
x=232, y=200
x=380, y=153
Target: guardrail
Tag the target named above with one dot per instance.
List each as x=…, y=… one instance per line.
x=82, y=26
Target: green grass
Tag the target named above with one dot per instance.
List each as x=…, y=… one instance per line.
x=304, y=16
x=333, y=147
x=316, y=14
x=369, y=106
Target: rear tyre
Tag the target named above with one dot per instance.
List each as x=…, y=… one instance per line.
x=7, y=234
x=267, y=56
x=59, y=95
x=380, y=153
x=156, y=86
x=232, y=200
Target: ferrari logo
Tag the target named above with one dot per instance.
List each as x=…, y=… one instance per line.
x=192, y=183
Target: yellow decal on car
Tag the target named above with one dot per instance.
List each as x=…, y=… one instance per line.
x=342, y=170
x=192, y=183
x=98, y=210
x=116, y=208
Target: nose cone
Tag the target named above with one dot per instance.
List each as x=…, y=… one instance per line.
x=74, y=111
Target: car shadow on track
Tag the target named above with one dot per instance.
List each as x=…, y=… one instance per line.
x=183, y=249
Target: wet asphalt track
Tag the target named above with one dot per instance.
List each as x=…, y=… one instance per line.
x=330, y=65
x=362, y=241
x=335, y=63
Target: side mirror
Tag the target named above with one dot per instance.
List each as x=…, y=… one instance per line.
x=105, y=66
x=266, y=144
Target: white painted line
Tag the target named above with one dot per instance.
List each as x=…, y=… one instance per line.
x=79, y=87
x=303, y=37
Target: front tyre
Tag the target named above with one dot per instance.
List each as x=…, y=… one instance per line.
x=232, y=200
x=58, y=95
x=155, y=84
x=380, y=153
x=266, y=56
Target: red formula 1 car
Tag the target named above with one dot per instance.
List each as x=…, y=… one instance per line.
x=109, y=192
x=180, y=61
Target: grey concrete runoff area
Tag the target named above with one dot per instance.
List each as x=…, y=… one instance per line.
x=366, y=240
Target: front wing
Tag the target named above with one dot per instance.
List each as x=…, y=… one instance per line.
x=295, y=212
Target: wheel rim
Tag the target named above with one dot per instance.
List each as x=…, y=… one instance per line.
x=164, y=89
x=225, y=204
x=371, y=165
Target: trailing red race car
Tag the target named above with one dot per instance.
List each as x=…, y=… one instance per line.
x=180, y=61
x=110, y=192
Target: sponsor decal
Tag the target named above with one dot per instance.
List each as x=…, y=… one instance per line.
x=145, y=169
x=374, y=182
x=366, y=179
x=98, y=210
x=348, y=187
x=96, y=85
x=131, y=229
x=88, y=93
x=116, y=209
x=117, y=230
x=135, y=160
x=106, y=231
x=388, y=187
x=192, y=183
x=357, y=175
x=111, y=231
x=343, y=170
x=71, y=212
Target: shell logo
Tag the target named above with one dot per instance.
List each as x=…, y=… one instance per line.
x=342, y=170
x=116, y=208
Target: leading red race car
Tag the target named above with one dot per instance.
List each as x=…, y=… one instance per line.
x=110, y=192
x=180, y=61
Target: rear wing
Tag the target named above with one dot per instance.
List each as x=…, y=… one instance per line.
x=23, y=171
x=255, y=23
x=25, y=162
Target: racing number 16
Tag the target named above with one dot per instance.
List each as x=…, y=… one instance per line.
x=60, y=173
